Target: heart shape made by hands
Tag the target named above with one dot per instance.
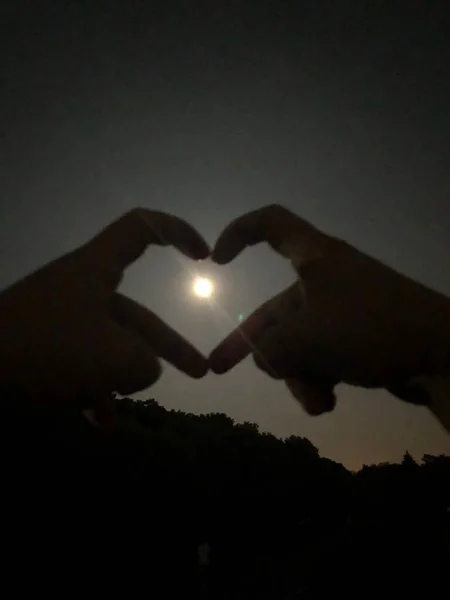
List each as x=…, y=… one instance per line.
x=347, y=318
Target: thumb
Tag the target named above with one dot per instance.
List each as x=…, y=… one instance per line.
x=315, y=397
x=126, y=364
x=274, y=354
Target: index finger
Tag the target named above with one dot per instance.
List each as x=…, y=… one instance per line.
x=124, y=240
x=163, y=340
x=287, y=233
x=243, y=340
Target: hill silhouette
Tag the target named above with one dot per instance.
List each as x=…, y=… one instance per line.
x=129, y=506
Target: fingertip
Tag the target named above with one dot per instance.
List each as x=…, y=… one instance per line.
x=220, y=369
x=218, y=261
x=219, y=256
x=199, y=370
x=229, y=245
x=316, y=399
x=217, y=365
x=316, y=410
x=142, y=378
x=187, y=359
x=198, y=249
x=203, y=250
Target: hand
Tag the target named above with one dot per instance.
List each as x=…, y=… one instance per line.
x=348, y=318
x=68, y=336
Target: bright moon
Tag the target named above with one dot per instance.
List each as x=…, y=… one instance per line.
x=203, y=287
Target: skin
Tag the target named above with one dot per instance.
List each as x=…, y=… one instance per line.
x=348, y=317
x=68, y=336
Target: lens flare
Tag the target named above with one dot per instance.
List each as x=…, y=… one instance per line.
x=203, y=287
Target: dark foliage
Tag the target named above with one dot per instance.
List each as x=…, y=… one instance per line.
x=125, y=510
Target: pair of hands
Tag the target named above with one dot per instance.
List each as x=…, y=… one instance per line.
x=68, y=334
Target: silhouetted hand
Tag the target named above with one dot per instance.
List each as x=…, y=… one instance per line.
x=68, y=336
x=348, y=318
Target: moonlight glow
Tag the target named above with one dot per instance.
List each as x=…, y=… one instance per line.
x=203, y=287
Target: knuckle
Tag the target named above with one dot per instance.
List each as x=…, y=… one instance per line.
x=276, y=211
x=136, y=215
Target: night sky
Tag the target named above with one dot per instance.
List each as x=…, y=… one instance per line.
x=209, y=109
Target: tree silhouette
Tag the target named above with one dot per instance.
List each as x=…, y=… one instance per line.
x=141, y=496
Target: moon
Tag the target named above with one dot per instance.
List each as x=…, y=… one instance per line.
x=203, y=287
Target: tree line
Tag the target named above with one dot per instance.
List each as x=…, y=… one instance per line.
x=280, y=520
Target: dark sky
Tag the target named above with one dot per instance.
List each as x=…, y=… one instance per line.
x=208, y=109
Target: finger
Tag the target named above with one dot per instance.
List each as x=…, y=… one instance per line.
x=409, y=392
x=264, y=365
x=124, y=362
x=124, y=240
x=315, y=397
x=274, y=354
x=287, y=233
x=164, y=341
x=243, y=340
x=284, y=353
